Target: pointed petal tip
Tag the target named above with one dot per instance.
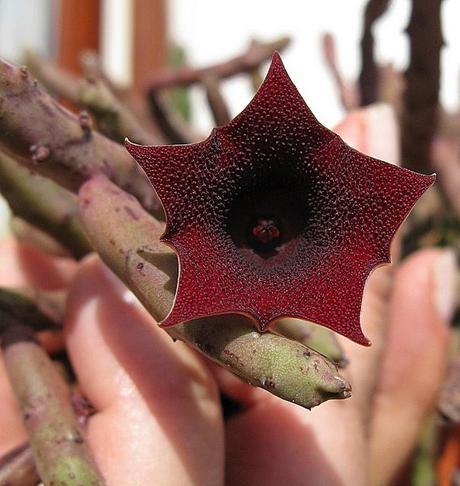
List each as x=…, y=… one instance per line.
x=276, y=58
x=427, y=180
x=133, y=148
x=276, y=65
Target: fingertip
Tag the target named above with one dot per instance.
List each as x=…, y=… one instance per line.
x=415, y=357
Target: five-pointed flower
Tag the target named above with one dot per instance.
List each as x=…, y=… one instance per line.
x=274, y=215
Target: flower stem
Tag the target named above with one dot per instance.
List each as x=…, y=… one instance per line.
x=314, y=336
x=127, y=239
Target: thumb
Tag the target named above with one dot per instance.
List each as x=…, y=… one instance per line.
x=414, y=359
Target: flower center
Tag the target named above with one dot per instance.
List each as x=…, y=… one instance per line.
x=265, y=233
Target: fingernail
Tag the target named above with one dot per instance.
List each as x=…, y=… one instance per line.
x=445, y=276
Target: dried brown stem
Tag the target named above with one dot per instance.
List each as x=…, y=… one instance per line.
x=446, y=161
x=114, y=119
x=17, y=468
x=347, y=91
x=216, y=101
x=421, y=96
x=60, y=453
x=369, y=75
x=44, y=204
x=127, y=239
x=256, y=54
x=173, y=129
x=35, y=127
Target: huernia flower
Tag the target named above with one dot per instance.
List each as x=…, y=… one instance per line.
x=273, y=215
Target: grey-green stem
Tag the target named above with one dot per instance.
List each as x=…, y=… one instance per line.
x=58, y=446
x=127, y=239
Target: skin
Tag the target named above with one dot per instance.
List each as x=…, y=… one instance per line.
x=158, y=415
x=158, y=418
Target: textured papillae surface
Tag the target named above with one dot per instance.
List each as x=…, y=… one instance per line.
x=274, y=215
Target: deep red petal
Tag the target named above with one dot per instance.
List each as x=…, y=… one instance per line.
x=337, y=209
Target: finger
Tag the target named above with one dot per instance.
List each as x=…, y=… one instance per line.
x=159, y=419
x=415, y=357
x=24, y=265
x=12, y=432
x=374, y=131
x=275, y=442
x=364, y=362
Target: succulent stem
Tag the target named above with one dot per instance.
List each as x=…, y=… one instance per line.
x=114, y=119
x=317, y=337
x=60, y=453
x=43, y=203
x=216, y=101
x=422, y=80
x=59, y=144
x=43, y=309
x=127, y=239
x=256, y=54
x=369, y=76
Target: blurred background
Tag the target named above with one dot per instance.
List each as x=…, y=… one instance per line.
x=134, y=37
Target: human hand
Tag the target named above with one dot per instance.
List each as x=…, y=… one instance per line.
x=158, y=417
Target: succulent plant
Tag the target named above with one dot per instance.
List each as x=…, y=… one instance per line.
x=273, y=215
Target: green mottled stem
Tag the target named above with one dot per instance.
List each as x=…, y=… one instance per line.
x=59, y=144
x=60, y=452
x=114, y=119
x=43, y=203
x=43, y=309
x=127, y=239
x=17, y=468
x=317, y=337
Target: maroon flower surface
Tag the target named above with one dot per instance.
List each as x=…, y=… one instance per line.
x=274, y=215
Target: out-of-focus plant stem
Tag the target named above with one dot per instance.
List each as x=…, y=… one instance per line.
x=369, y=76
x=59, y=144
x=43, y=203
x=256, y=54
x=60, y=452
x=421, y=95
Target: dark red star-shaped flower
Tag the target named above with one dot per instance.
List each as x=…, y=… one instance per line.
x=274, y=215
